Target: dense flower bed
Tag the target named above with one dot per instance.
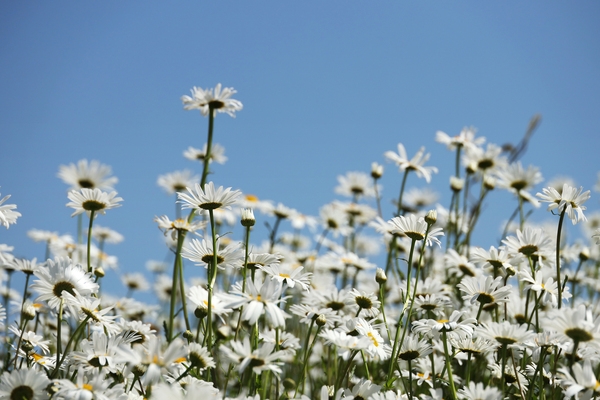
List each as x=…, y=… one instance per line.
x=300, y=317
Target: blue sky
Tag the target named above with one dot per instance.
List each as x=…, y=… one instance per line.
x=327, y=88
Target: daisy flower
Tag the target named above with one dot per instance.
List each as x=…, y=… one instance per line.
x=415, y=228
x=367, y=303
x=363, y=389
x=135, y=281
x=261, y=359
x=412, y=348
x=415, y=164
x=484, y=289
x=7, y=214
x=257, y=300
x=289, y=274
x=530, y=242
x=466, y=138
x=355, y=184
x=89, y=308
x=377, y=348
x=88, y=200
x=106, y=235
x=494, y=259
x=476, y=391
x=178, y=225
x=199, y=357
x=432, y=328
x=484, y=160
x=216, y=99
x=217, y=154
x=198, y=296
x=345, y=343
x=87, y=175
x=570, y=200
x=505, y=333
x=177, y=181
x=581, y=379
x=208, y=198
x=62, y=276
x=575, y=324
x=518, y=180
x=201, y=253
x=24, y=384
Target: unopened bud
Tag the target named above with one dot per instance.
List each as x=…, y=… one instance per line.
x=376, y=170
x=489, y=183
x=456, y=183
x=289, y=384
x=471, y=168
x=321, y=320
x=99, y=272
x=28, y=311
x=188, y=335
x=248, y=217
x=380, y=276
x=584, y=254
x=201, y=312
x=431, y=217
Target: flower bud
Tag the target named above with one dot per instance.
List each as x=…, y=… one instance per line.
x=456, y=183
x=99, y=272
x=471, y=168
x=431, y=217
x=321, y=320
x=201, y=312
x=489, y=183
x=380, y=276
x=584, y=254
x=376, y=170
x=248, y=217
x=28, y=311
x=188, y=335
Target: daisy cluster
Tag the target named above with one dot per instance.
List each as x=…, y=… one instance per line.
x=307, y=313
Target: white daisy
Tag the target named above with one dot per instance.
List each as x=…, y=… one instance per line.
x=88, y=200
x=7, y=214
x=88, y=175
x=24, y=384
x=201, y=253
x=62, y=276
x=415, y=164
x=415, y=228
x=569, y=200
x=177, y=181
x=217, y=153
x=208, y=198
x=216, y=99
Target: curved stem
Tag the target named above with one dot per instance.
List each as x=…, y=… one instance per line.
x=399, y=210
x=89, y=242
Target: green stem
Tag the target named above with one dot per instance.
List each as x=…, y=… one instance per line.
x=399, y=211
x=558, y=233
x=174, y=286
x=89, y=242
x=448, y=366
x=211, y=122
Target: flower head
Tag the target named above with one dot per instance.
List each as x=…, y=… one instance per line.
x=88, y=175
x=208, y=198
x=415, y=164
x=177, y=181
x=415, y=228
x=88, y=200
x=570, y=201
x=7, y=214
x=216, y=99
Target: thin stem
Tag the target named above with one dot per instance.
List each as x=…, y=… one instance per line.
x=558, y=233
x=211, y=122
x=89, y=242
x=399, y=210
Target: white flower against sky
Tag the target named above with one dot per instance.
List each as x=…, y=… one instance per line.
x=201, y=253
x=208, y=198
x=569, y=200
x=61, y=276
x=198, y=297
x=217, y=153
x=289, y=274
x=484, y=160
x=530, y=242
x=8, y=215
x=582, y=379
x=178, y=225
x=415, y=228
x=216, y=99
x=106, y=235
x=516, y=179
x=88, y=175
x=177, y=181
x=88, y=200
x=415, y=164
x=355, y=184
x=506, y=334
x=466, y=138
x=484, y=290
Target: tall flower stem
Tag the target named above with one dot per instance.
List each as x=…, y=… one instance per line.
x=558, y=233
x=212, y=276
x=211, y=123
x=399, y=210
x=89, y=242
x=448, y=366
x=395, y=348
x=174, y=287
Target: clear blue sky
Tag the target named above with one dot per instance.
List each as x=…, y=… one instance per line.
x=327, y=88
